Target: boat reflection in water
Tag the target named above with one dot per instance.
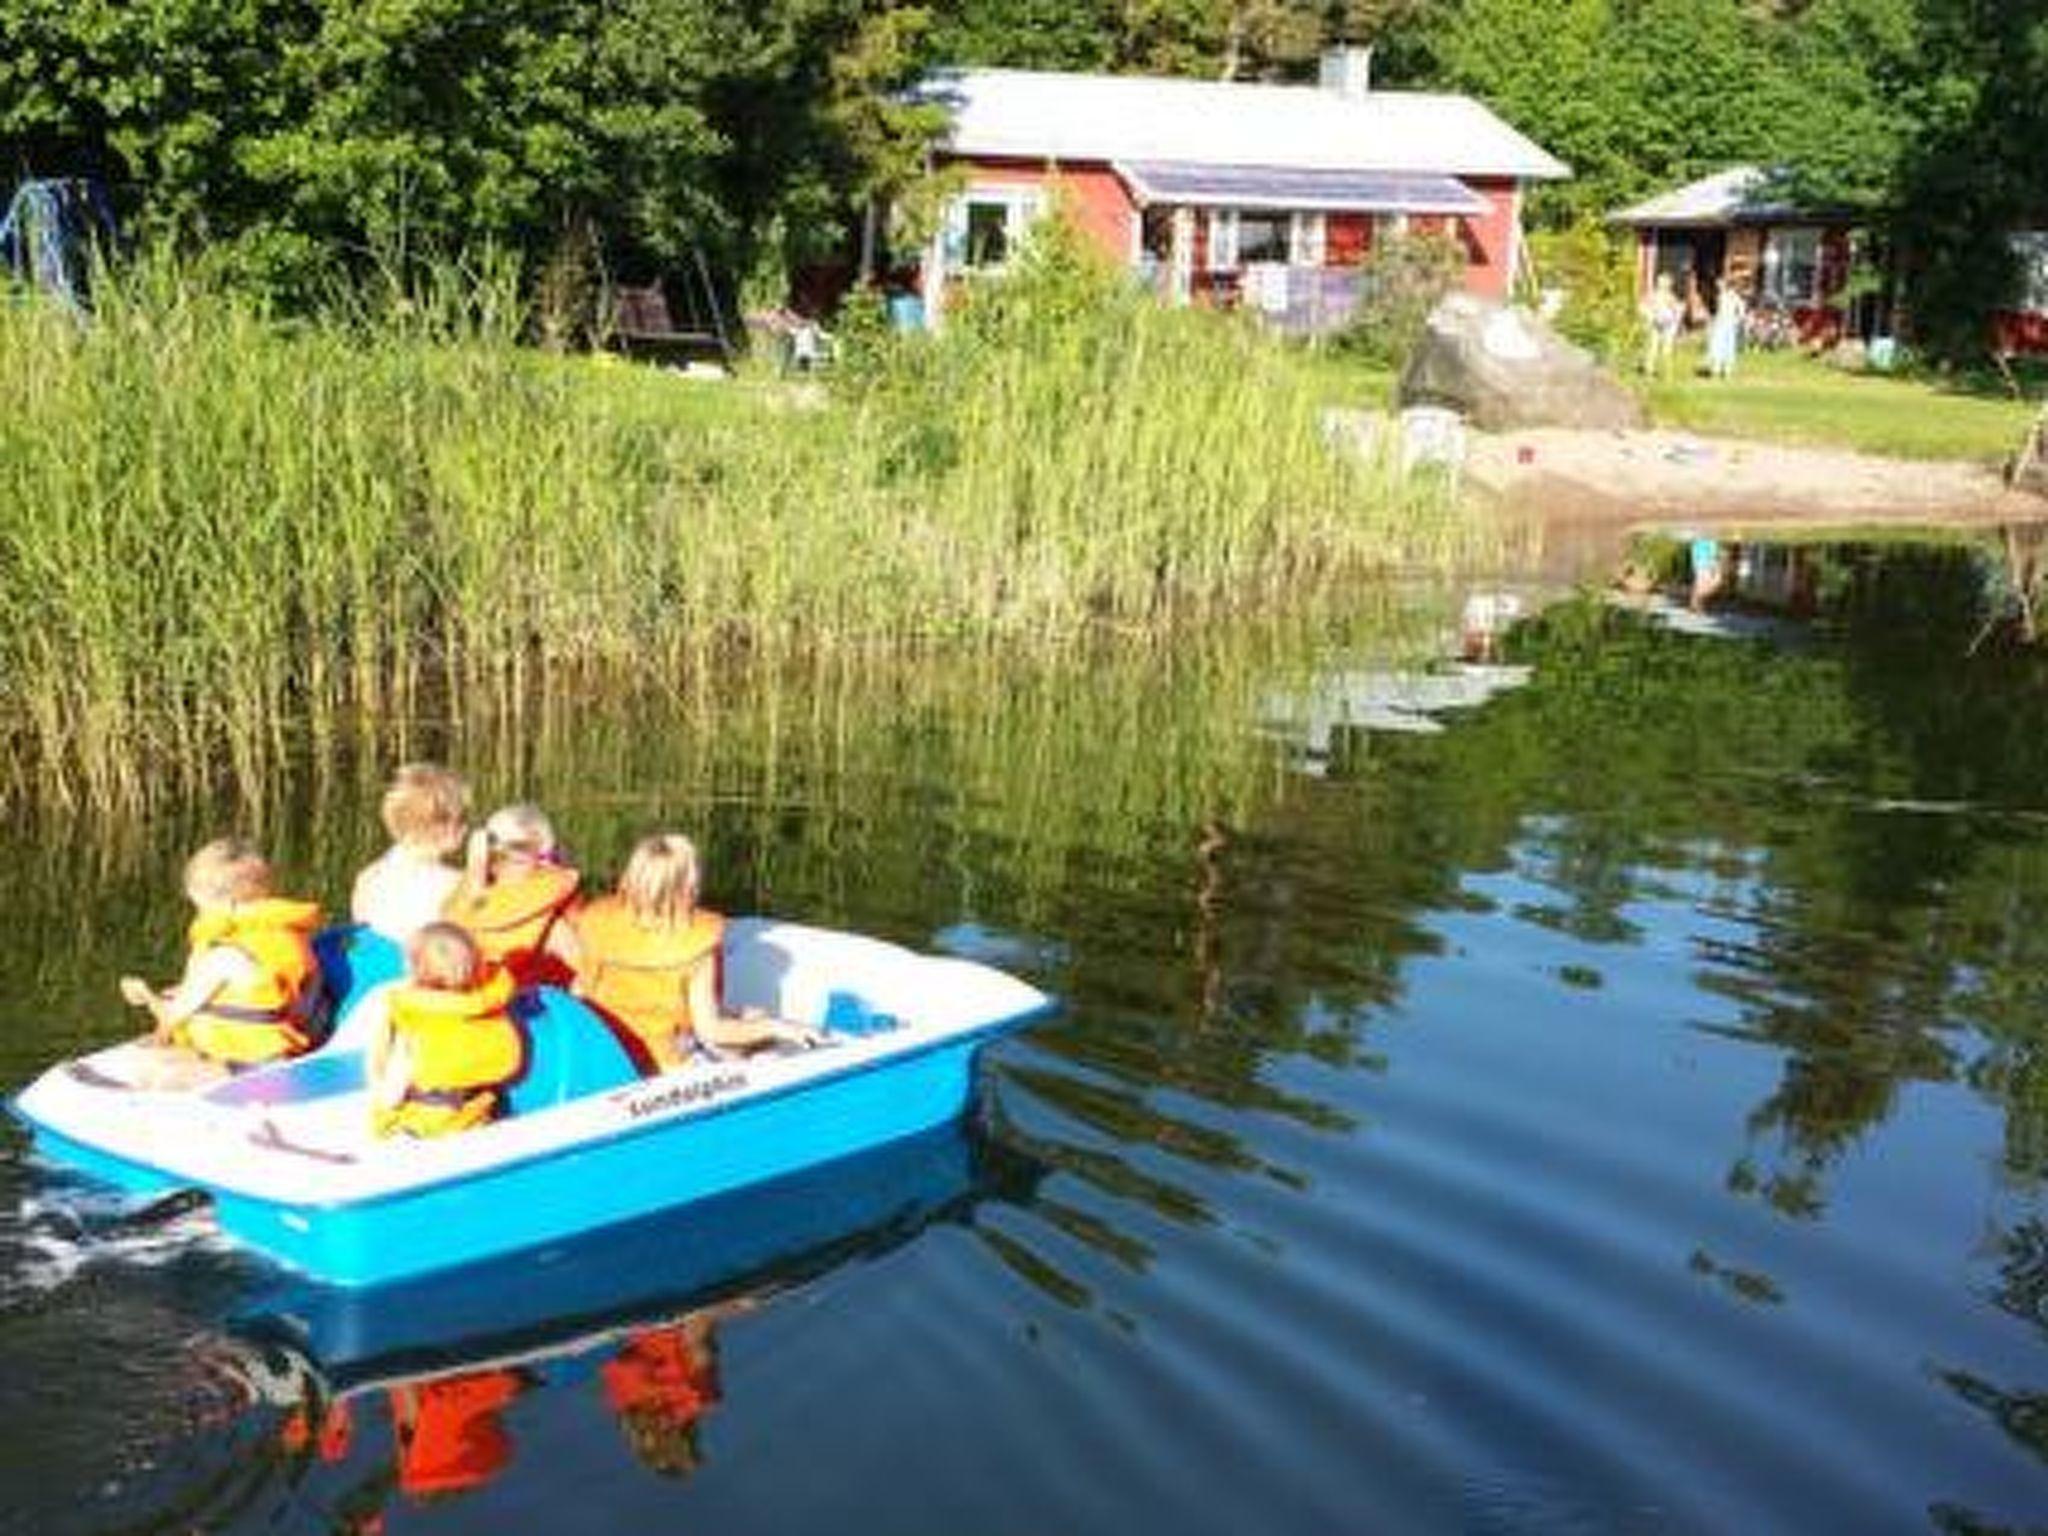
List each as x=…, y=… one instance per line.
x=447, y=1430
x=406, y=1390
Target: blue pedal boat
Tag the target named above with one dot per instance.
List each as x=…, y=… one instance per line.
x=287, y=1158
x=767, y=1238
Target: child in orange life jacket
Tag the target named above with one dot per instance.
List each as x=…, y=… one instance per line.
x=647, y=957
x=426, y=811
x=251, y=984
x=513, y=895
x=451, y=1430
x=448, y=1046
x=661, y=1384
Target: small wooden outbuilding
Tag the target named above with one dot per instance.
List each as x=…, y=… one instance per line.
x=1794, y=263
x=1732, y=228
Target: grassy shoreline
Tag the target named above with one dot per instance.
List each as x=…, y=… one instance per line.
x=222, y=528
x=1788, y=397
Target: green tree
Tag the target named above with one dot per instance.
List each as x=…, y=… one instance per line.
x=1975, y=168
x=159, y=97
x=1227, y=39
x=1405, y=36
x=1550, y=67
x=298, y=134
x=1028, y=34
x=1705, y=89
x=1851, y=99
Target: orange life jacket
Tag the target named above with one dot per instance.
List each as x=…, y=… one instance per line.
x=453, y=1439
x=640, y=976
x=267, y=1015
x=510, y=917
x=462, y=1049
x=659, y=1371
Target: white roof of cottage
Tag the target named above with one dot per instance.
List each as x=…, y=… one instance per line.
x=1045, y=115
x=1726, y=197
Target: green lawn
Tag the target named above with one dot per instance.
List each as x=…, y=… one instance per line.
x=1791, y=398
x=1777, y=396
x=641, y=392
x=1788, y=397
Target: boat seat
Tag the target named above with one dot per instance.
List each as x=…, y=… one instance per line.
x=570, y=1052
x=848, y=1013
x=354, y=962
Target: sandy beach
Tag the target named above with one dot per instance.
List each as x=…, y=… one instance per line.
x=1662, y=476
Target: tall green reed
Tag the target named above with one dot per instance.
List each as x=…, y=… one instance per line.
x=225, y=532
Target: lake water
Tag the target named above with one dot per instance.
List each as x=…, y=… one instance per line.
x=1623, y=1108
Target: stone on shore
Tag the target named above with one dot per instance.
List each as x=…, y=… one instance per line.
x=1503, y=369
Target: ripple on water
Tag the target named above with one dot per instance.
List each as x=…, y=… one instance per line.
x=1505, y=1302
x=59, y=1236
x=138, y=1415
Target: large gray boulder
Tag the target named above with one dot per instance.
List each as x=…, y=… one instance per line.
x=1502, y=368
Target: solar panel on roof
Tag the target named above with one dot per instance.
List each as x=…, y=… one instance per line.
x=1240, y=186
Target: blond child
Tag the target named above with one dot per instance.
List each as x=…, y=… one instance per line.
x=515, y=890
x=426, y=812
x=251, y=986
x=1663, y=318
x=647, y=957
x=448, y=1048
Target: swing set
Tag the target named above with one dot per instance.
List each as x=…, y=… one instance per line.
x=49, y=234
x=643, y=325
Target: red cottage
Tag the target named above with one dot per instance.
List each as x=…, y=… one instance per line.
x=1269, y=195
x=1792, y=262
x=1728, y=228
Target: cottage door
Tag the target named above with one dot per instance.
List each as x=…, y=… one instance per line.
x=1709, y=258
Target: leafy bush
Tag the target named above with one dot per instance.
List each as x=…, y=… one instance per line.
x=1595, y=273
x=1400, y=282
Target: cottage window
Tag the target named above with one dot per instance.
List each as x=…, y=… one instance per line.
x=1263, y=235
x=984, y=229
x=1792, y=266
x=2030, y=247
x=988, y=234
x=1240, y=237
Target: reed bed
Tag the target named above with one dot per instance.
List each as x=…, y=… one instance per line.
x=224, y=532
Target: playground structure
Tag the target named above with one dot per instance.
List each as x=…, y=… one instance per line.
x=49, y=234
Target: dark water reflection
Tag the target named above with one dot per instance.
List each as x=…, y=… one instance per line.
x=1625, y=1109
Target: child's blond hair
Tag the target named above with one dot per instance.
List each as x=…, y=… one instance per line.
x=660, y=883
x=427, y=806
x=226, y=871
x=663, y=1442
x=444, y=958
